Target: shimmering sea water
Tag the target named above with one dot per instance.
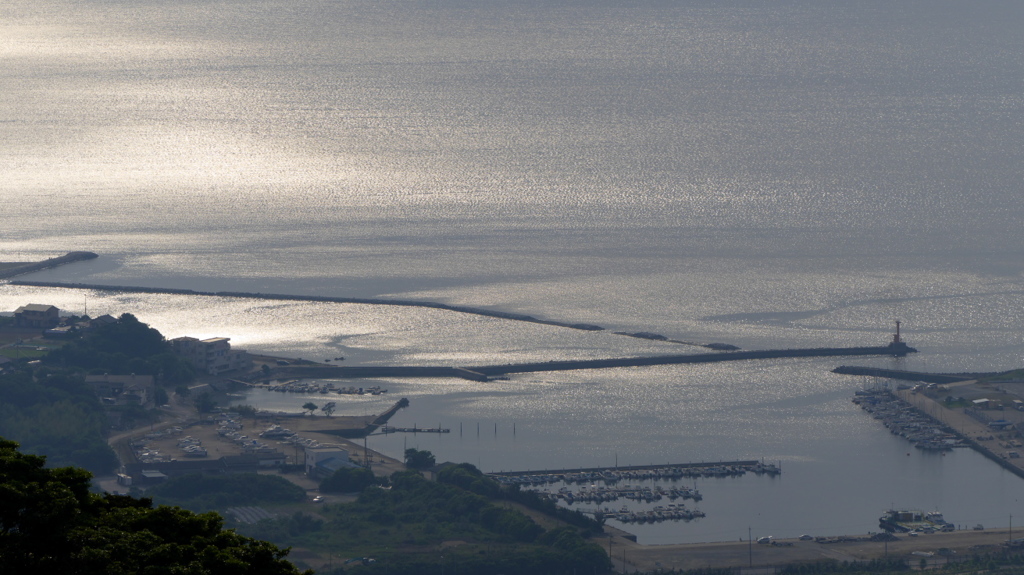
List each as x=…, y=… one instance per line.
x=788, y=175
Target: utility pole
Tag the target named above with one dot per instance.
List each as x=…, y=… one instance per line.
x=750, y=547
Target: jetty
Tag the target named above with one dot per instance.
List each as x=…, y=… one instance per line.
x=386, y=430
x=29, y=267
x=722, y=353
x=489, y=372
x=894, y=349
x=367, y=301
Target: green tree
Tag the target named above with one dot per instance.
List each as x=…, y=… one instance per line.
x=347, y=480
x=417, y=459
x=52, y=412
x=328, y=408
x=51, y=523
x=160, y=396
x=205, y=403
x=245, y=410
x=310, y=407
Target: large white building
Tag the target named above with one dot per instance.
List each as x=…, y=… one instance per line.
x=213, y=356
x=323, y=461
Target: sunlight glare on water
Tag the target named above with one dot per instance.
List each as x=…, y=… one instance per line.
x=769, y=176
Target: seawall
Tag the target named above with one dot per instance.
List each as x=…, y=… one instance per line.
x=68, y=258
x=367, y=301
x=495, y=370
x=910, y=375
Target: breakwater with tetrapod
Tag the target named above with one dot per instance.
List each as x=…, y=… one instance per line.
x=488, y=372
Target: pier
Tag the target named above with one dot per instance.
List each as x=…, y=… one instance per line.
x=637, y=472
x=385, y=430
x=600, y=485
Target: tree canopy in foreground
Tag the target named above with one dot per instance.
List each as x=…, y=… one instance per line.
x=51, y=523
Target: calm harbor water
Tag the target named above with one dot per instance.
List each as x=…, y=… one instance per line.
x=791, y=175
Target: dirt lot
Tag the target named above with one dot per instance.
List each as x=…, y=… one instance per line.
x=164, y=439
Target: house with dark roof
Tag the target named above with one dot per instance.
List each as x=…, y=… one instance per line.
x=36, y=315
x=122, y=389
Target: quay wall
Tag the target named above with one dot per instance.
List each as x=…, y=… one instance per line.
x=961, y=425
x=651, y=467
x=68, y=258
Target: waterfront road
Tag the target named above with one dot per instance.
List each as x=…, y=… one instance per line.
x=648, y=558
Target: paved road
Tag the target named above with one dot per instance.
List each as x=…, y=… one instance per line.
x=743, y=554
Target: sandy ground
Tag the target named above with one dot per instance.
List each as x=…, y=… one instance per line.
x=319, y=428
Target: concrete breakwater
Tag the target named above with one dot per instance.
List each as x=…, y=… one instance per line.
x=910, y=375
x=29, y=267
x=497, y=370
x=486, y=372
x=368, y=301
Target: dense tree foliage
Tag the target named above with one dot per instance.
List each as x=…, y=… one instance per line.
x=416, y=515
x=468, y=477
x=210, y=492
x=53, y=413
x=51, y=523
x=347, y=480
x=127, y=346
x=417, y=459
x=50, y=411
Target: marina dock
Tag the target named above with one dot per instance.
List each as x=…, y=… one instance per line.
x=637, y=472
x=600, y=485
